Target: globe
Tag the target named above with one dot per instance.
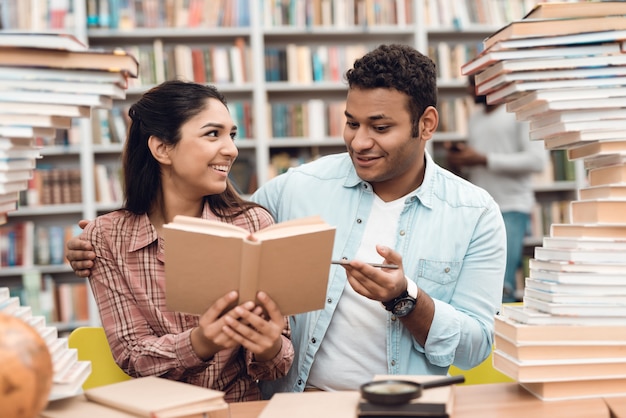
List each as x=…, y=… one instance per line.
x=26, y=371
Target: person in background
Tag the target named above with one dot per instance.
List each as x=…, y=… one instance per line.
x=500, y=158
x=390, y=203
x=176, y=161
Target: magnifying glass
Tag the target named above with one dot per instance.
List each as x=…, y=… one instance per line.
x=397, y=392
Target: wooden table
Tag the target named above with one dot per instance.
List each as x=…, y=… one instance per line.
x=493, y=401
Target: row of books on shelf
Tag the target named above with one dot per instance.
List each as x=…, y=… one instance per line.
x=558, y=168
x=69, y=373
x=110, y=126
x=62, y=186
x=313, y=119
x=59, y=302
x=133, y=14
x=24, y=244
x=547, y=212
x=464, y=14
x=454, y=112
x=225, y=63
x=20, y=15
x=449, y=57
x=305, y=64
x=52, y=186
x=337, y=13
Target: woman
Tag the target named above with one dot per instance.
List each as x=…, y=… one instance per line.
x=176, y=161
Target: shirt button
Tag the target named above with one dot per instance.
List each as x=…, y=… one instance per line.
x=447, y=269
x=359, y=220
x=313, y=340
x=402, y=233
x=393, y=362
x=329, y=300
x=299, y=382
x=393, y=317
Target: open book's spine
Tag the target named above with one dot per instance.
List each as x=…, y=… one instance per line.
x=250, y=261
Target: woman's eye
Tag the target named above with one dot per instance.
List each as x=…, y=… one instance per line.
x=213, y=133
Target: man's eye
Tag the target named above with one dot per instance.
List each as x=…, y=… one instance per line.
x=352, y=125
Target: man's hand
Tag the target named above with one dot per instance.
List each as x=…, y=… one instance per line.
x=80, y=253
x=377, y=283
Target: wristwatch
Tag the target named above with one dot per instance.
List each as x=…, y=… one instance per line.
x=405, y=303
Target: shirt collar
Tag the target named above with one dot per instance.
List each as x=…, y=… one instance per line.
x=143, y=232
x=424, y=193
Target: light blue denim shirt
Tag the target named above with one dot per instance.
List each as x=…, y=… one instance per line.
x=453, y=245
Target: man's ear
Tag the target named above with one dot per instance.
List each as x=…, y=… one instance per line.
x=428, y=123
x=159, y=150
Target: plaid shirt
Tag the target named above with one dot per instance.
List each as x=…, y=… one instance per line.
x=128, y=282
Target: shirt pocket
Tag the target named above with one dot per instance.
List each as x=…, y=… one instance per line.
x=438, y=278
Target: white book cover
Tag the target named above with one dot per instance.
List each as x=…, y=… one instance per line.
x=590, y=289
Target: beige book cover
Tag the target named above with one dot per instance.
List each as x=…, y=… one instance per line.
x=341, y=404
x=156, y=397
x=206, y=259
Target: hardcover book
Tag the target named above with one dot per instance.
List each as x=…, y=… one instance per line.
x=556, y=370
x=609, y=191
x=90, y=59
x=577, y=388
x=595, y=149
x=156, y=397
x=602, y=211
x=560, y=350
x=576, y=9
x=290, y=261
x=588, y=290
x=579, y=255
x=487, y=58
x=549, y=63
x=578, y=95
x=537, y=28
x=520, y=332
x=607, y=175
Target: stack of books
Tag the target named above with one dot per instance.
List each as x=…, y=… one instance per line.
x=46, y=79
x=69, y=373
x=562, y=68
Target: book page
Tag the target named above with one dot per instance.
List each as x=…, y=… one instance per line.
x=206, y=226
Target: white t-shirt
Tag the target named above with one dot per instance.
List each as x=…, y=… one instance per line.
x=357, y=318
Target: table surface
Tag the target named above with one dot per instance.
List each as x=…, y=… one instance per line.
x=495, y=401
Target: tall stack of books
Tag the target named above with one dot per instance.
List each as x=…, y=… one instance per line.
x=562, y=68
x=47, y=79
x=69, y=373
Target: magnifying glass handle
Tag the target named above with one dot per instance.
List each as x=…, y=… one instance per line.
x=450, y=380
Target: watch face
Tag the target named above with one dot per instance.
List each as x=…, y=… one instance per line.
x=404, y=307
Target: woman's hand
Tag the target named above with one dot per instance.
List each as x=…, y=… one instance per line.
x=259, y=330
x=256, y=328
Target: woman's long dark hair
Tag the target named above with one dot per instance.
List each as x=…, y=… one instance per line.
x=161, y=112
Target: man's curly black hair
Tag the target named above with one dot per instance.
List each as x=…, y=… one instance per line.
x=399, y=67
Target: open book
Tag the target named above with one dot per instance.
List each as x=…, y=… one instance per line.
x=205, y=259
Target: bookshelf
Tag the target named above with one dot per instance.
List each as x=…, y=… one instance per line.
x=269, y=58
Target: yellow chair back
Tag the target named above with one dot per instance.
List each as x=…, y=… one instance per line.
x=92, y=345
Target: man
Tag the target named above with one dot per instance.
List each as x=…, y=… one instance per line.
x=390, y=202
x=500, y=158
